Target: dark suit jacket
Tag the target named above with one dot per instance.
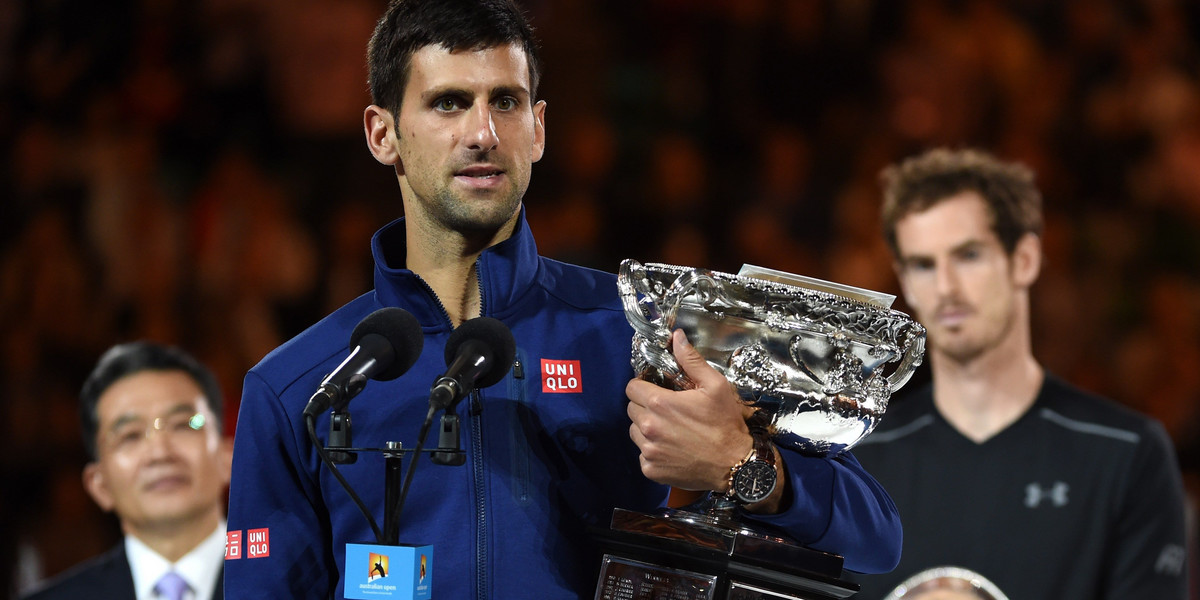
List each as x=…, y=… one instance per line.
x=106, y=577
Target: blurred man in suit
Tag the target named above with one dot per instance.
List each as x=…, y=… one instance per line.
x=151, y=418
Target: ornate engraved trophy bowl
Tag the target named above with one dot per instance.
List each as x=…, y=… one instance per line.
x=819, y=364
x=815, y=360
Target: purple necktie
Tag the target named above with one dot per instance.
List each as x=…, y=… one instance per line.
x=171, y=586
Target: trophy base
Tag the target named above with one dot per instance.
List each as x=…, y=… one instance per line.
x=651, y=557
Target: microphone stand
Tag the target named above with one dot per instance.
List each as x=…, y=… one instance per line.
x=392, y=479
x=395, y=482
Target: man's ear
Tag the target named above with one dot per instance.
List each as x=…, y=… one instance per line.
x=1027, y=260
x=225, y=456
x=539, y=131
x=97, y=486
x=379, y=128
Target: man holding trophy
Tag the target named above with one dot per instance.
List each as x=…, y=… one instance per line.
x=548, y=449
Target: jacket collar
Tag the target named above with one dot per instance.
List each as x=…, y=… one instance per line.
x=506, y=271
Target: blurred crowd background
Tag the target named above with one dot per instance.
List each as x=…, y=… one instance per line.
x=194, y=172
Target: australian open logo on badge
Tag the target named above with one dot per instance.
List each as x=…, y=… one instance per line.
x=375, y=571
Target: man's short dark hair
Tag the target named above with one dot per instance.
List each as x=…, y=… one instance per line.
x=918, y=183
x=409, y=25
x=124, y=360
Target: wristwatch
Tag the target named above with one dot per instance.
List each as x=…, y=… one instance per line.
x=754, y=478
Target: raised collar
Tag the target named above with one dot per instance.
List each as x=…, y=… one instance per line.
x=506, y=272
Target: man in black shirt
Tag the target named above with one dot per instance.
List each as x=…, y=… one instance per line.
x=998, y=466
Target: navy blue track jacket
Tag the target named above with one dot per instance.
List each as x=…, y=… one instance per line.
x=547, y=448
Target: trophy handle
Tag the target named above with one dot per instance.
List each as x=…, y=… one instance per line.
x=645, y=316
x=914, y=353
x=651, y=322
x=694, y=281
x=632, y=280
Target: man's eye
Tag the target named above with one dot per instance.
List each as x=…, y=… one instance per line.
x=185, y=423
x=196, y=422
x=445, y=104
x=506, y=104
x=128, y=436
x=970, y=254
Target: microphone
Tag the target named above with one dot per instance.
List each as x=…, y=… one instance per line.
x=383, y=346
x=478, y=354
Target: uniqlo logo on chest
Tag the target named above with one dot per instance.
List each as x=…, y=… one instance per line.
x=561, y=377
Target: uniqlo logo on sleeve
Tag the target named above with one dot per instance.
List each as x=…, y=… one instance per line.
x=258, y=543
x=561, y=377
x=233, y=545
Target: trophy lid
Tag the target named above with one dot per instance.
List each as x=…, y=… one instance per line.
x=871, y=297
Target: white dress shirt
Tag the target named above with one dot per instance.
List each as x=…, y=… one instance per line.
x=199, y=567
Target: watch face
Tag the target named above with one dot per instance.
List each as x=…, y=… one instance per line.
x=754, y=481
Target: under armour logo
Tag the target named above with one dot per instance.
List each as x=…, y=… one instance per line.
x=1170, y=562
x=1056, y=494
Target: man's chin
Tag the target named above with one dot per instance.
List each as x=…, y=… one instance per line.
x=169, y=504
x=485, y=221
x=960, y=353
x=955, y=346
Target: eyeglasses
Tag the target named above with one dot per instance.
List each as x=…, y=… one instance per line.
x=132, y=435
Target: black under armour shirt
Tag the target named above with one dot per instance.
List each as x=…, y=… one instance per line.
x=1079, y=499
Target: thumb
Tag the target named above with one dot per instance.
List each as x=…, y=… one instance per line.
x=693, y=364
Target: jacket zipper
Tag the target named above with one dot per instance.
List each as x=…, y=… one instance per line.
x=481, y=519
x=476, y=424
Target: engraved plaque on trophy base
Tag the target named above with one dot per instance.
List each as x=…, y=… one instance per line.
x=650, y=557
x=626, y=579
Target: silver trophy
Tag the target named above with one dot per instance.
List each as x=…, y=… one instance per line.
x=812, y=357
x=947, y=583
x=816, y=361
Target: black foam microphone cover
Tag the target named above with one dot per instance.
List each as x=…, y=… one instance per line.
x=402, y=331
x=489, y=334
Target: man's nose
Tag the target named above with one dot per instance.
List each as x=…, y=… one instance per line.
x=481, y=133
x=160, y=442
x=946, y=278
